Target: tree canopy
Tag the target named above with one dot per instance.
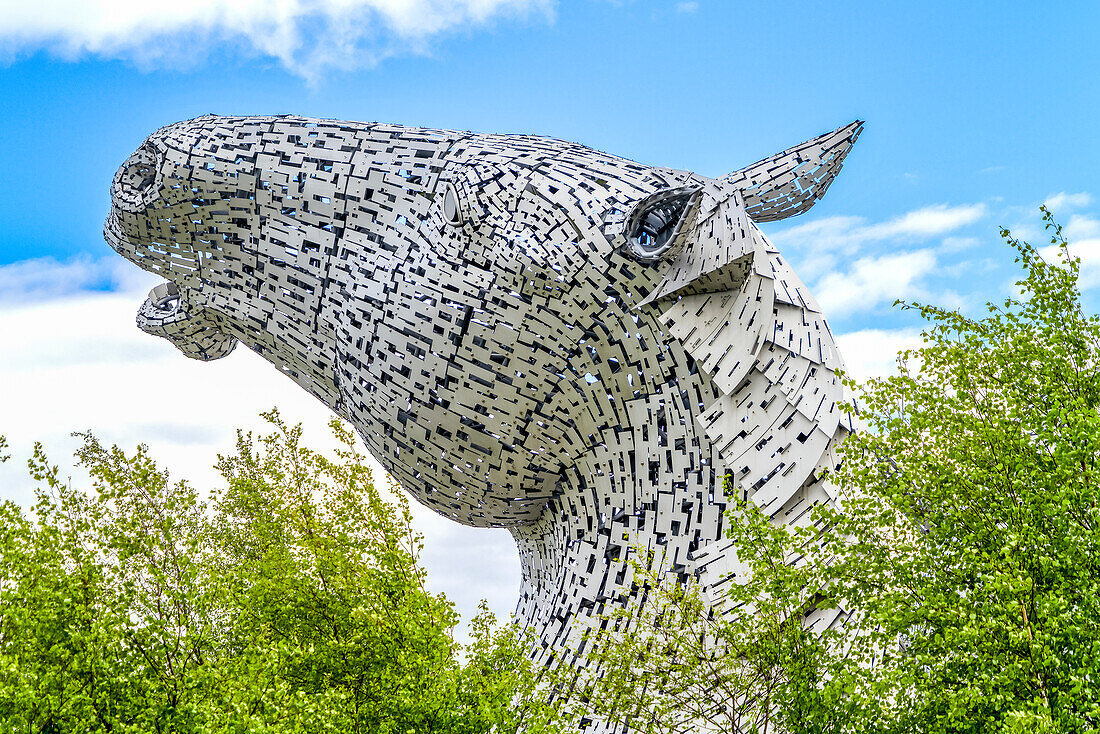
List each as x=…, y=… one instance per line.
x=291, y=600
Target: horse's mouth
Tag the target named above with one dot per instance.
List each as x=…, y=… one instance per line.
x=167, y=314
x=165, y=297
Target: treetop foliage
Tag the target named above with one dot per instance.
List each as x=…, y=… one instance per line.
x=292, y=600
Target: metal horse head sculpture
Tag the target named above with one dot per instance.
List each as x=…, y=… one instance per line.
x=526, y=333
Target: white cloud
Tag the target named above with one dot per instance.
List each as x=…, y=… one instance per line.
x=1081, y=227
x=873, y=352
x=1089, y=252
x=46, y=278
x=687, y=7
x=927, y=222
x=1062, y=201
x=306, y=36
x=835, y=230
x=818, y=244
x=873, y=280
x=974, y=268
x=826, y=252
x=958, y=244
x=846, y=235
x=79, y=362
x=1027, y=231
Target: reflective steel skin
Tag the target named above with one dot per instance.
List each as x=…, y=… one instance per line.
x=526, y=333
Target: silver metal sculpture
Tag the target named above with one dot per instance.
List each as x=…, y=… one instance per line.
x=526, y=333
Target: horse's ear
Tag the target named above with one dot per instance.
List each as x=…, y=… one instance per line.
x=790, y=182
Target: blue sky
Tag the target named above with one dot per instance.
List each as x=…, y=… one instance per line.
x=976, y=113
x=965, y=103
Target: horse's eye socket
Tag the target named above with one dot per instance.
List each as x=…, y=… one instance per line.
x=452, y=214
x=653, y=227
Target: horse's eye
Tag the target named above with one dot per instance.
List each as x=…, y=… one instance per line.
x=656, y=221
x=452, y=214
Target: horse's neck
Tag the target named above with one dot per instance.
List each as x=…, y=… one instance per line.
x=578, y=558
x=752, y=391
x=653, y=483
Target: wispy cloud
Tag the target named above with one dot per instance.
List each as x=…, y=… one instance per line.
x=847, y=233
x=1064, y=202
x=958, y=244
x=45, y=278
x=1081, y=227
x=687, y=7
x=308, y=37
x=828, y=233
x=873, y=280
x=927, y=222
x=821, y=247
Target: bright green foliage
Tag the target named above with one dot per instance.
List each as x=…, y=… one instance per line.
x=293, y=601
x=502, y=690
x=967, y=549
x=971, y=540
x=101, y=620
x=325, y=596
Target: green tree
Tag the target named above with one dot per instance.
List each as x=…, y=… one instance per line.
x=970, y=542
x=293, y=600
x=966, y=548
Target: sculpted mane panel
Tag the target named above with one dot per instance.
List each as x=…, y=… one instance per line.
x=526, y=333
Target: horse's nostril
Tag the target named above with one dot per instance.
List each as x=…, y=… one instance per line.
x=141, y=176
x=135, y=185
x=141, y=172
